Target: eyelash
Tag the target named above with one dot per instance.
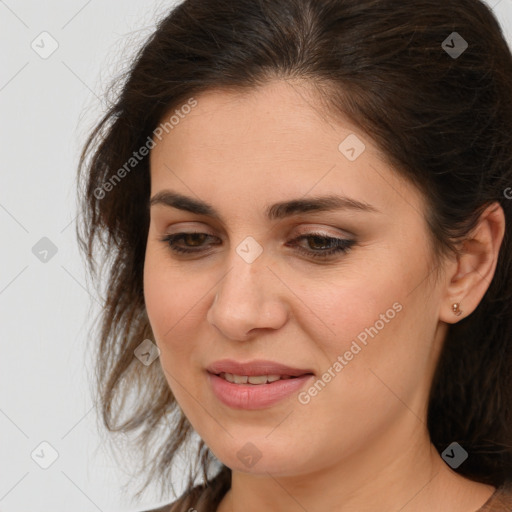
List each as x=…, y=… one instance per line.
x=341, y=245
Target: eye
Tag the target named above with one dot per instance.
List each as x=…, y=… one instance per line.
x=320, y=245
x=195, y=239
x=323, y=246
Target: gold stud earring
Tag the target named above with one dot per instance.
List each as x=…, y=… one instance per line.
x=456, y=310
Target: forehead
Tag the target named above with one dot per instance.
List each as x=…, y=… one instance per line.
x=273, y=141
x=280, y=115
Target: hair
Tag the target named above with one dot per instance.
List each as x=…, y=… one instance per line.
x=444, y=123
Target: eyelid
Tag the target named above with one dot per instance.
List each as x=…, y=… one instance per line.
x=196, y=227
x=181, y=227
x=324, y=231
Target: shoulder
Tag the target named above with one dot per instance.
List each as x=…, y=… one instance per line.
x=201, y=498
x=500, y=501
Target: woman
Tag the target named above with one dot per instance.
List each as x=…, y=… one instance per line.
x=304, y=210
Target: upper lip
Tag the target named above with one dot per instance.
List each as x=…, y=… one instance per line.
x=255, y=367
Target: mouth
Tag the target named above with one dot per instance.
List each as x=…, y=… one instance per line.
x=255, y=380
x=272, y=371
x=255, y=384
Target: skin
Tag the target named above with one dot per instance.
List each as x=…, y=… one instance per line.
x=360, y=444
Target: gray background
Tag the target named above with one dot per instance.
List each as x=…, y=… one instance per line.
x=48, y=105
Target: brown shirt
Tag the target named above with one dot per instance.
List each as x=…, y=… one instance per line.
x=500, y=501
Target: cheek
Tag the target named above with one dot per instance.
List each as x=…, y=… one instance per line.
x=374, y=335
x=170, y=294
x=362, y=313
x=170, y=298
x=376, y=301
x=173, y=303
x=353, y=306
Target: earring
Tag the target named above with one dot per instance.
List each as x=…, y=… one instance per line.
x=455, y=309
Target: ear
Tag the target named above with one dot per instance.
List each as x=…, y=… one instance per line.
x=470, y=275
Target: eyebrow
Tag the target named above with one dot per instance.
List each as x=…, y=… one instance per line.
x=275, y=211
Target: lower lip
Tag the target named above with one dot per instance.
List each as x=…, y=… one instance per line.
x=255, y=396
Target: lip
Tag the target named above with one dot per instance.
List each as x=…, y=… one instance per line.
x=255, y=396
x=255, y=367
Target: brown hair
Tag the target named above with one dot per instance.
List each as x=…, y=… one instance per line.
x=443, y=121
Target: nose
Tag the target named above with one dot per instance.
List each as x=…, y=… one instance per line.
x=249, y=298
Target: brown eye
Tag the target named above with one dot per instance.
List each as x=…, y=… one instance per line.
x=319, y=242
x=322, y=246
x=191, y=242
x=194, y=239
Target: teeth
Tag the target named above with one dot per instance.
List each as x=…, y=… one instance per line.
x=253, y=379
x=239, y=379
x=257, y=379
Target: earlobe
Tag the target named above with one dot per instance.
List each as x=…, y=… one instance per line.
x=453, y=313
x=456, y=309
x=476, y=264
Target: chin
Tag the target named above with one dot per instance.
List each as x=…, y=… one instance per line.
x=259, y=456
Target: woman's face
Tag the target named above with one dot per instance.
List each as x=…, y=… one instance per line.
x=361, y=326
